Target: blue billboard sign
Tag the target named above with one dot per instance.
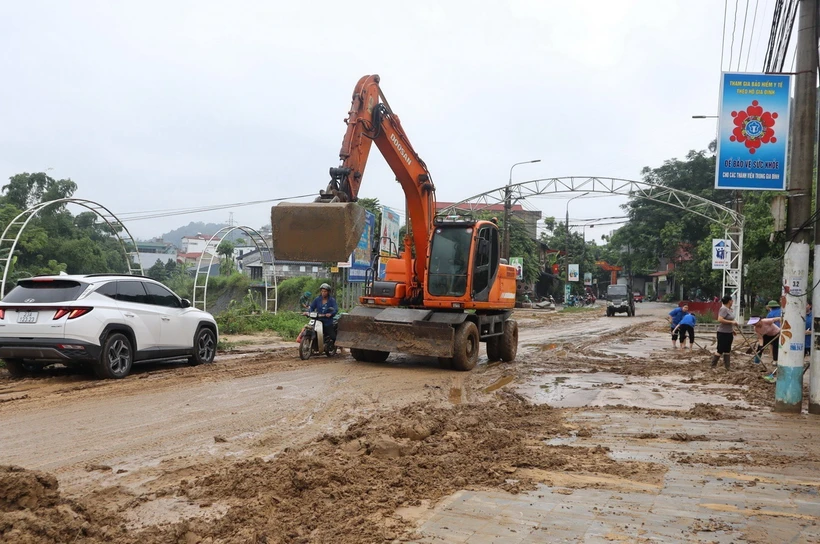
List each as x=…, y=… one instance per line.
x=360, y=259
x=753, y=131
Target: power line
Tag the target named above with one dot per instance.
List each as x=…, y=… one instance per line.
x=723, y=35
x=155, y=214
x=743, y=37
x=732, y=46
x=752, y=45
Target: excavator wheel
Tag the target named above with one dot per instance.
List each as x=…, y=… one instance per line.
x=494, y=348
x=509, y=341
x=465, y=348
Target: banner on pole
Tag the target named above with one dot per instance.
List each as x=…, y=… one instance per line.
x=587, y=278
x=389, y=236
x=518, y=263
x=721, y=254
x=753, y=131
x=360, y=259
x=573, y=272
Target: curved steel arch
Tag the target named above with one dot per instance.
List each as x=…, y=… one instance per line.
x=11, y=234
x=260, y=243
x=731, y=220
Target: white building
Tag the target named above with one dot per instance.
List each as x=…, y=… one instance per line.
x=198, y=244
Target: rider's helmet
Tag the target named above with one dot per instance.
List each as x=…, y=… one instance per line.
x=325, y=286
x=307, y=293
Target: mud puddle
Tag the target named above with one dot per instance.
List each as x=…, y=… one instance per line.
x=575, y=390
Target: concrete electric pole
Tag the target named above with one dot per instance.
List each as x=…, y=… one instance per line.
x=814, y=374
x=789, y=388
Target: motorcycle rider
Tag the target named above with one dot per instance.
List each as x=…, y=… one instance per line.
x=325, y=305
x=304, y=301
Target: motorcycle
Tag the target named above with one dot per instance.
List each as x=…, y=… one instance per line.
x=312, y=339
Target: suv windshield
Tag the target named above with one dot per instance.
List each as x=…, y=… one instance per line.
x=45, y=290
x=616, y=290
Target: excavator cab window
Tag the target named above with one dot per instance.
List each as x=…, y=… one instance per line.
x=449, y=258
x=485, y=263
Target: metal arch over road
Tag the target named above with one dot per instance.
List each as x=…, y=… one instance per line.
x=12, y=232
x=201, y=276
x=731, y=220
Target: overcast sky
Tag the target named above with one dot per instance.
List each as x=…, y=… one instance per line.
x=151, y=105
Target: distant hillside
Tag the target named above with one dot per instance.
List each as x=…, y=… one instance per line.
x=198, y=227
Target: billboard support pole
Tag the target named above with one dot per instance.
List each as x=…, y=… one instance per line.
x=732, y=274
x=789, y=387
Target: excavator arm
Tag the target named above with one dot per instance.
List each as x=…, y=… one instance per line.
x=370, y=120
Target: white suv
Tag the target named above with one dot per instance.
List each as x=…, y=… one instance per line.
x=106, y=321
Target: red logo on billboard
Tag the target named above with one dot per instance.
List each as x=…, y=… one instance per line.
x=753, y=127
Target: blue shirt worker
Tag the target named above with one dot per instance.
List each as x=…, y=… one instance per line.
x=325, y=306
x=774, y=309
x=686, y=327
x=674, y=319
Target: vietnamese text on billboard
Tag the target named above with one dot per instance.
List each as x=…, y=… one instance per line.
x=753, y=131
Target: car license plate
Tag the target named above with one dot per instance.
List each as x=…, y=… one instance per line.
x=27, y=317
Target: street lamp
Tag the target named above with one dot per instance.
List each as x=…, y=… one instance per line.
x=507, y=207
x=566, y=243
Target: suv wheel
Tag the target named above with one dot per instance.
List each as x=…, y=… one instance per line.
x=17, y=368
x=116, y=357
x=204, y=347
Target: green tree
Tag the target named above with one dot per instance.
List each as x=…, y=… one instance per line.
x=54, y=240
x=225, y=249
x=157, y=271
x=25, y=190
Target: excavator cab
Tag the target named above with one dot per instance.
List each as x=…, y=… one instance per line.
x=453, y=268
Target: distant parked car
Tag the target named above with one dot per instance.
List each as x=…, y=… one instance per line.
x=103, y=321
x=637, y=297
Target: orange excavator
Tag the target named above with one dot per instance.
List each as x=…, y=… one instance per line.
x=445, y=294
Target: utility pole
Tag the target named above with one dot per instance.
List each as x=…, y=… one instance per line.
x=814, y=373
x=789, y=388
x=566, y=240
x=508, y=207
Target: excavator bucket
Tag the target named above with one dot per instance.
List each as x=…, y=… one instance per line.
x=397, y=330
x=316, y=232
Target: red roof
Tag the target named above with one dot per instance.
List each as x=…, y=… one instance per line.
x=188, y=256
x=491, y=207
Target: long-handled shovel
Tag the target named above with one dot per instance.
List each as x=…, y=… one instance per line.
x=755, y=354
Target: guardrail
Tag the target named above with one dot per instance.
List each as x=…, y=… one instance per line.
x=706, y=328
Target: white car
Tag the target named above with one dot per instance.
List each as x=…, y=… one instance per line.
x=105, y=321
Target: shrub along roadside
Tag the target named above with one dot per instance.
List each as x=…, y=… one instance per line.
x=246, y=317
x=291, y=289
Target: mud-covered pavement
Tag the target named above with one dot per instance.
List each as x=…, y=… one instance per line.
x=598, y=432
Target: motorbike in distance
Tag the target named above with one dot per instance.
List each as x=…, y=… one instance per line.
x=312, y=339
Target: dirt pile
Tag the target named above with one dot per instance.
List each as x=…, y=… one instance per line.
x=341, y=488
x=23, y=489
x=32, y=511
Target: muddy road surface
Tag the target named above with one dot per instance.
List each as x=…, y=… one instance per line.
x=263, y=447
